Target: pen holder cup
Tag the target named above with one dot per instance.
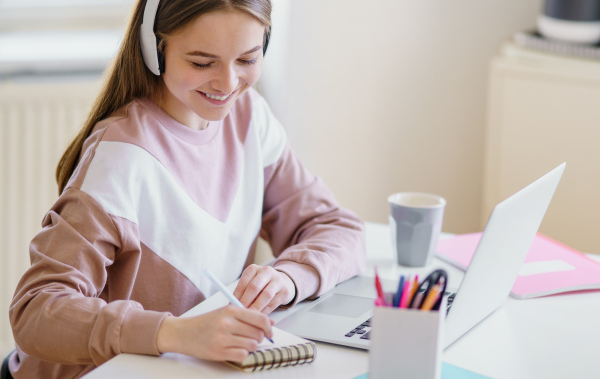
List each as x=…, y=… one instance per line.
x=406, y=343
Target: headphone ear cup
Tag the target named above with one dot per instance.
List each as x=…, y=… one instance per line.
x=148, y=39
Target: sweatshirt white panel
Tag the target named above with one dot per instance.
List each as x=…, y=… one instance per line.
x=271, y=133
x=170, y=223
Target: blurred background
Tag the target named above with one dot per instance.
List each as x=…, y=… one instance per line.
x=377, y=97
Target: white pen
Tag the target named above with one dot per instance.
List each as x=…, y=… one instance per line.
x=232, y=299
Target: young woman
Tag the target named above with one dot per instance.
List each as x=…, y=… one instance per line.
x=180, y=167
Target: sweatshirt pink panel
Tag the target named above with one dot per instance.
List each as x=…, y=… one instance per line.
x=151, y=204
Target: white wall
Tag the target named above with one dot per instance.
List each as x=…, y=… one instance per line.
x=390, y=95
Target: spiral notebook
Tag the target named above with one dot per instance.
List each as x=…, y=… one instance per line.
x=288, y=350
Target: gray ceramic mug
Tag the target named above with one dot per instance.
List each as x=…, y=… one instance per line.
x=415, y=224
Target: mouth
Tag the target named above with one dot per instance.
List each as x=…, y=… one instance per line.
x=217, y=99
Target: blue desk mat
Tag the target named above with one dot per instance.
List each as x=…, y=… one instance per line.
x=449, y=372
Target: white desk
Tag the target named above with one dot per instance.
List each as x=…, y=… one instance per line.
x=552, y=337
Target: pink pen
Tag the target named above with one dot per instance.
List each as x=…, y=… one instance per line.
x=405, y=294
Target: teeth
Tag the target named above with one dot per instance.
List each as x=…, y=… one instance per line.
x=219, y=98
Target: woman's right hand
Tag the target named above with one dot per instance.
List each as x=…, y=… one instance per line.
x=226, y=334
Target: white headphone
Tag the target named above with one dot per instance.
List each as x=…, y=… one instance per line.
x=148, y=38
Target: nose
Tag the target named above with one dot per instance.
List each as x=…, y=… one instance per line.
x=226, y=80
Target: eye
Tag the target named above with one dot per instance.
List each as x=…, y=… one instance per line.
x=247, y=62
x=201, y=66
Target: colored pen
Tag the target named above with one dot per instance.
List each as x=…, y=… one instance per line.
x=232, y=299
x=378, y=287
x=431, y=298
x=441, y=282
x=406, y=294
x=416, y=303
x=389, y=299
x=415, y=287
x=398, y=294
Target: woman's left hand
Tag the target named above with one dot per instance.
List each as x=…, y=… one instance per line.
x=263, y=288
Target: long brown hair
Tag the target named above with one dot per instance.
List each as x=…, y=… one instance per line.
x=128, y=78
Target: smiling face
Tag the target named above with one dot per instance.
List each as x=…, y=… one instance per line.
x=209, y=64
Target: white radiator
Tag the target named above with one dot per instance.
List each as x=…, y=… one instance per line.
x=38, y=118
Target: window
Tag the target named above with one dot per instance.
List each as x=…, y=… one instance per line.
x=59, y=3
x=63, y=14
x=40, y=36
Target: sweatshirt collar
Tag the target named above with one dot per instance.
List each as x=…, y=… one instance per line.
x=192, y=136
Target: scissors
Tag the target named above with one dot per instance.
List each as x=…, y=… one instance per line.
x=438, y=276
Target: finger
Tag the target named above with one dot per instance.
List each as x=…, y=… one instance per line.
x=234, y=354
x=254, y=319
x=245, y=330
x=255, y=287
x=248, y=344
x=266, y=296
x=235, y=349
x=276, y=302
x=247, y=276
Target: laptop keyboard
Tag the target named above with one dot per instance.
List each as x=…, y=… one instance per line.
x=363, y=330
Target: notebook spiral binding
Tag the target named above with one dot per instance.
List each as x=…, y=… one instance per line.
x=292, y=355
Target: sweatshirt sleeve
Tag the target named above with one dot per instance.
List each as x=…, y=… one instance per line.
x=317, y=243
x=58, y=313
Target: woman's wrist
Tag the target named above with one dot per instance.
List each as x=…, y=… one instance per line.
x=291, y=287
x=167, y=335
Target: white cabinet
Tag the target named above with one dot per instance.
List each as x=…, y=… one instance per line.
x=544, y=109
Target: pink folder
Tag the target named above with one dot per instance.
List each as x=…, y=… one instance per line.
x=549, y=268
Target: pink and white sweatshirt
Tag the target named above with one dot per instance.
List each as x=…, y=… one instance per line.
x=150, y=205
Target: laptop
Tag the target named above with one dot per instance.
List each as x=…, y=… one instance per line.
x=506, y=239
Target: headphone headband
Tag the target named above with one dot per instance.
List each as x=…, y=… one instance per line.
x=149, y=42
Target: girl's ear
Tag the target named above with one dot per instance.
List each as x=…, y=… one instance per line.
x=160, y=56
x=267, y=37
